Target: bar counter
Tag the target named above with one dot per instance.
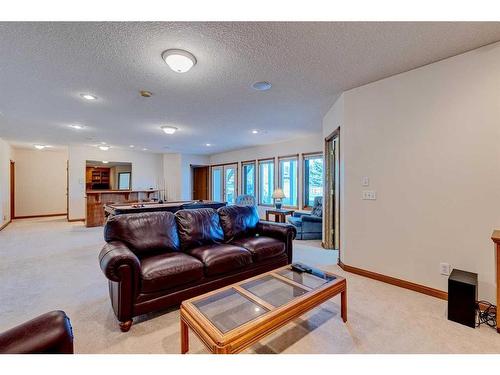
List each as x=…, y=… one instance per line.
x=96, y=199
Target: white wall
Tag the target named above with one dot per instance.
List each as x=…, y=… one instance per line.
x=40, y=182
x=147, y=172
x=429, y=141
x=5, y=157
x=187, y=177
x=177, y=174
x=312, y=143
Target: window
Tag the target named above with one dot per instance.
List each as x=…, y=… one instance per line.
x=124, y=181
x=249, y=178
x=288, y=180
x=217, y=184
x=313, y=178
x=266, y=181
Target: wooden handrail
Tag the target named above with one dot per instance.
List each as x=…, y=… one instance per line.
x=496, y=236
x=496, y=239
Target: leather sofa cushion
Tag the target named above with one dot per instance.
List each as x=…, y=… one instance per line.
x=261, y=247
x=223, y=258
x=144, y=233
x=198, y=227
x=168, y=270
x=238, y=221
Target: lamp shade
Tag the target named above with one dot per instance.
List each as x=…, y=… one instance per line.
x=278, y=194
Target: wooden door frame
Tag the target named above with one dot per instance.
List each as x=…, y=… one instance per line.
x=329, y=223
x=193, y=167
x=12, y=190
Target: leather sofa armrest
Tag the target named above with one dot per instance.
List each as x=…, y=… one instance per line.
x=311, y=218
x=113, y=256
x=50, y=333
x=280, y=231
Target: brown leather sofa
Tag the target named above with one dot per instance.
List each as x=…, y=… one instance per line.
x=49, y=333
x=158, y=259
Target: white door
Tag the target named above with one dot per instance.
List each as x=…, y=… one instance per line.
x=230, y=183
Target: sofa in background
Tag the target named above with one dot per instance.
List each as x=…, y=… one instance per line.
x=309, y=226
x=50, y=333
x=245, y=200
x=158, y=259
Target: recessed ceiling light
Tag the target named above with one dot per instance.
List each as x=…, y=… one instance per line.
x=178, y=60
x=103, y=143
x=169, y=129
x=40, y=147
x=105, y=162
x=208, y=144
x=104, y=148
x=131, y=146
x=262, y=86
x=88, y=96
x=144, y=149
x=76, y=126
x=255, y=131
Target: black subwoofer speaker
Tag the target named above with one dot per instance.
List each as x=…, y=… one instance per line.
x=462, y=297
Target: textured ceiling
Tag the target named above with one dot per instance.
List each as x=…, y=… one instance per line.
x=45, y=66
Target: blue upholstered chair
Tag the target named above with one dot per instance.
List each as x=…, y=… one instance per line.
x=245, y=200
x=309, y=225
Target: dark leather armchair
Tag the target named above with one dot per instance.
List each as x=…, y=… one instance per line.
x=309, y=226
x=49, y=333
x=155, y=260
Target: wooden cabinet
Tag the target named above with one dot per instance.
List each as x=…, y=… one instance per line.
x=97, y=178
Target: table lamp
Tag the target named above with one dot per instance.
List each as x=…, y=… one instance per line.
x=278, y=195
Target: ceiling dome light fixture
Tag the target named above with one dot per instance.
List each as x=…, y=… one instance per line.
x=104, y=148
x=88, y=96
x=178, y=60
x=208, y=144
x=76, y=126
x=40, y=147
x=169, y=129
x=105, y=162
x=262, y=86
x=146, y=94
x=255, y=131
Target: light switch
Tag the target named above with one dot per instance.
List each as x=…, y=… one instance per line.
x=370, y=195
x=365, y=181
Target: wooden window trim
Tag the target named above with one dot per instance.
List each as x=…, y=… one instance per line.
x=259, y=162
x=310, y=156
x=290, y=157
x=256, y=187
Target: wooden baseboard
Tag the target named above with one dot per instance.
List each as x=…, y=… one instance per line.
x=35, y=216
x=73, y=220
x=395, y=281
x=5, y=225
x=400, y=283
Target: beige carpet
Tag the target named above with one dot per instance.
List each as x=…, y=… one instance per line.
x=48, y=264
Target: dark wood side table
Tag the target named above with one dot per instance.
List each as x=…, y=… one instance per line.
x=279, y=215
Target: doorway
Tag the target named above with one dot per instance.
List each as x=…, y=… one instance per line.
x=332, y=191
x=200, y=182
x=225, y=183
x=12, y=190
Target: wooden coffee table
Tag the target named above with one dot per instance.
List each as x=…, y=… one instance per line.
x=230, y=319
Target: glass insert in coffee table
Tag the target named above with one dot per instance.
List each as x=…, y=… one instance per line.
x=255, y=307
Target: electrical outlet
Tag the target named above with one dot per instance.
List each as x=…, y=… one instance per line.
x=365, y=181
x=370, y=195
x=444, y=269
